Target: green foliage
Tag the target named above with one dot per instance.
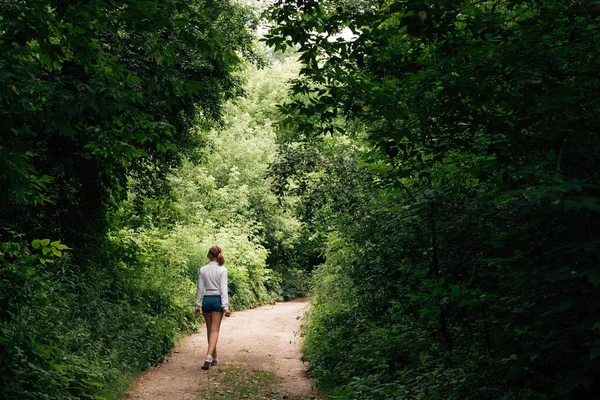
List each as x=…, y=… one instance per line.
x=462, y=258
x=235, y=187
x=250, y=283
x=30, y=302
x=97, y=91
x=70, y=336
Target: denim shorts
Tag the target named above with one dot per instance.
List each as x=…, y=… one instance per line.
x=211, y=302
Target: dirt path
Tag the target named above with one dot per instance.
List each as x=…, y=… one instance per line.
x=265, y=338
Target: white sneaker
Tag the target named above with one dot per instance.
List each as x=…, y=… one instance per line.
x=207, y=361
x=215, y=361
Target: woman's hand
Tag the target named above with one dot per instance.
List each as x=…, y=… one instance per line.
x=197, y=313
x=228, y=313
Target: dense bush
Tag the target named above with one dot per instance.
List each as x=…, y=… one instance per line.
x=68, y=335
x=462, y=258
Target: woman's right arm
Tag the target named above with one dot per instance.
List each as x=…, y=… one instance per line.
x=224, y=293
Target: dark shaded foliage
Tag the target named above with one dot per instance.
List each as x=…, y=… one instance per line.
x=466, y=265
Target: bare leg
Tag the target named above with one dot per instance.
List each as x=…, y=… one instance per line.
x=213, y=338
x=208, y=319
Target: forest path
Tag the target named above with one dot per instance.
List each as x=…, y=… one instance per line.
x=264, y=339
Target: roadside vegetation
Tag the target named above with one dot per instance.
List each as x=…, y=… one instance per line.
x=447, y=154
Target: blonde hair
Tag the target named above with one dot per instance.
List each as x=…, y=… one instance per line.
x=215, y=253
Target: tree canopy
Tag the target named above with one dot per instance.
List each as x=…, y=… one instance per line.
x=95, y=91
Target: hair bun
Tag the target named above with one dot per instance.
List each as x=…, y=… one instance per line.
x=216, y=253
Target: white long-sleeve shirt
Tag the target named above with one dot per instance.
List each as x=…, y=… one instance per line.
x=212, y=279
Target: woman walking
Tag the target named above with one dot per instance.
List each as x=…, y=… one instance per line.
x=212, y=297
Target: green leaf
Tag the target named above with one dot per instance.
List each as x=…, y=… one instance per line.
x=35, y=244
x=423, y=357
x=496, y=260
x=467, y=303
x=45, y=242
x=428, y=283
